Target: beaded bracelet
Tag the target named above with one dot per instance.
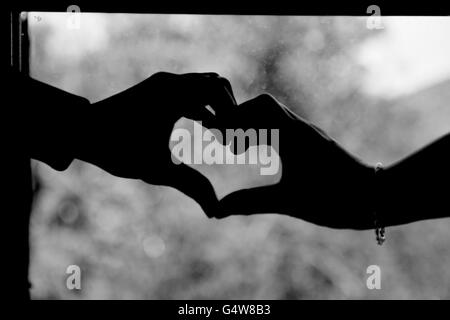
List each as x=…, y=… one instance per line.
x=380, y=232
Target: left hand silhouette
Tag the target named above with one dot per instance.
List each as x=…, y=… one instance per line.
x=133, y=140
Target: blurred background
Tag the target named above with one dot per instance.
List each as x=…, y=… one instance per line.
x=382, y=93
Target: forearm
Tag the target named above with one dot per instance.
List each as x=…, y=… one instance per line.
x=417, y=187
x=413, y=189
x=48, y=120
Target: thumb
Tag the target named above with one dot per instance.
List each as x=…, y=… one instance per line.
x=251, y=201
x=196, y=186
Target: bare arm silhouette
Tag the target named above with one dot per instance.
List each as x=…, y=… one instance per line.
x=325, y=185
x=126, y=134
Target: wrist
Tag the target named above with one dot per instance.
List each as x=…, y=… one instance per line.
x=52, y=126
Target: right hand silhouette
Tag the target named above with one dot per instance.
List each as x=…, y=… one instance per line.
x=321, y=182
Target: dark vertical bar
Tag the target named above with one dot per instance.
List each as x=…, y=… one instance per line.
x=14, y=26
x=18, y=197
x=19, y=41
x=11, y=38
x=24, y=44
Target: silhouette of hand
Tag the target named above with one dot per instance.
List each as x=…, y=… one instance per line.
x=319, y=178
x=133, y=140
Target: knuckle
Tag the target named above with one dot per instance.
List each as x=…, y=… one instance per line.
x=161, y=76
x=266, y=98
x=213, y=74
x=155, y=78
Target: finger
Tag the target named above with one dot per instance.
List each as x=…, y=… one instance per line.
x=216, y=104
x=196, y=186
x=228, y=89
x=220, y=92
x=210, y=89
x=252, y=201
x=223, y=102
x=207, y=116
x=260, y=113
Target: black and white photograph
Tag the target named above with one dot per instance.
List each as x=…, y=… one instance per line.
x=204, y=156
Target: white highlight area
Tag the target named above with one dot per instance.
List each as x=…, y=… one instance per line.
x=412, y=53
x=89, y=34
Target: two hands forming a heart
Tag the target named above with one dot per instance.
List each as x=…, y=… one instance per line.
x=312, y=162
x=128, y=135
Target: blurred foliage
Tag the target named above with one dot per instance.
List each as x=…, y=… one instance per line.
x=134, y=240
